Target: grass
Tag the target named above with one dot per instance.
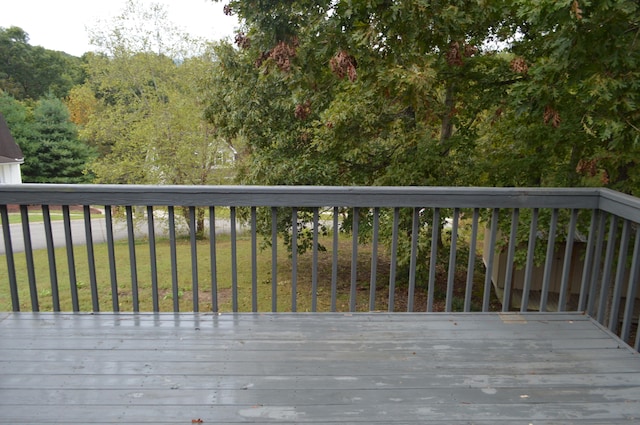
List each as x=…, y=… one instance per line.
x=223, y=266
x=36, y=217
x=76, y=213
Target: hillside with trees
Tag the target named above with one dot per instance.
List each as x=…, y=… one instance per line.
x=30, y=72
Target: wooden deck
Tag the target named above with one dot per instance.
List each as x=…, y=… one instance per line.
x=314, y=369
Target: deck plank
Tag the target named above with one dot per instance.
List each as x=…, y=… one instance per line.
x=314, y=368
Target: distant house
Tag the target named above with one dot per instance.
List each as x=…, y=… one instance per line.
x=10, y=156
x=226, y=156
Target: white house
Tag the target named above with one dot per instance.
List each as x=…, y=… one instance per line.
x=10, y=156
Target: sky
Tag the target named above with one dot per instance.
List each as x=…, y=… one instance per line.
x=62, y=24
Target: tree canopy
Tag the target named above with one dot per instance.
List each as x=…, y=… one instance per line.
x=451, y=93
x=30, y=72
x=53, y=153
x=145, y=94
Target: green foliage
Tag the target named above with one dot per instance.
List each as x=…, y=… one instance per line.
x=30, y=72
x=148, y=122
x=384, y=92
x=503, y=93
x=18, y=118
x=54, y=154
x=146, y=92
x=577, y=97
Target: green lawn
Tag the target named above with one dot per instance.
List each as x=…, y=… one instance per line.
x=223, y=264
x=36, y=217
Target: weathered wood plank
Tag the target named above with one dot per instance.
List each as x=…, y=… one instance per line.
x=311, y=396
x=494, y=421
x=267, y=382
x=299, y=368
x=196, y=345
x=380, y=413
x=355, y=353
x=301, y=196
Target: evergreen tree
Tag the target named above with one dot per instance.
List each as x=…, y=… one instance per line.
x=54, y=154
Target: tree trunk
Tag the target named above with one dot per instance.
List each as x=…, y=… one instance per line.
x=446, y=130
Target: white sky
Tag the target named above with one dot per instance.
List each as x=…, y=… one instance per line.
x=62, y=24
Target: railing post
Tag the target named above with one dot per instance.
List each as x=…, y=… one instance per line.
x=528, y=271
x=314, y=266
x=51, y=254
x=632, y=290
x=73, y=283
x=91, y=258
x=195, y=287
x=234, y=259
x=588, y=261
x=26, y=233
x=394, y=259
x=566, y=266
x=595, y=270
x=133, y=264
x=492, y=252
x=334, y=259
x=508, y=279
x=354, y=260
x=153, y=258
x=274, y=259
x=213, y=258
x=11, y=266
x=435, y=238
x=173, y=252
x=294, y=259
x=472, y=260
x=415, y=223
x=115, y=303
x=548, y=260
x=620, y=269
x=452, y=259
x=374, y=259
x=254, y=260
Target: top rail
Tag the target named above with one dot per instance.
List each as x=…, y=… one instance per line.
x=305, y=196
x=623, y=205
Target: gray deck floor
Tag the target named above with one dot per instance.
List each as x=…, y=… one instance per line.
x=322, y=368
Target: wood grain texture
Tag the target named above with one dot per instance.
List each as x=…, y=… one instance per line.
x=301, y=196
x=315, y=368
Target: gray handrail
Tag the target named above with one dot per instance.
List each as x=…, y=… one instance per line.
x=307, y=196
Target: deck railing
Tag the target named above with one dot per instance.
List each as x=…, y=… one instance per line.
x=227, y=248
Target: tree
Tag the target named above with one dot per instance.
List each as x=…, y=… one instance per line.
x=18, y=118
x=30, y=72
x=362, y=90
x=574, y=108
x=48, y=139
x=53, y=153
x=391, y=92
x=82, y=103
x=148, y=122
x=517, y=93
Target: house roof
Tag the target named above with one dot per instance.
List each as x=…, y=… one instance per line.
x=10, y=152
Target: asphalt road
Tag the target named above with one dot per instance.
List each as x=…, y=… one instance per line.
x=78, y=236
x=38, y=240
